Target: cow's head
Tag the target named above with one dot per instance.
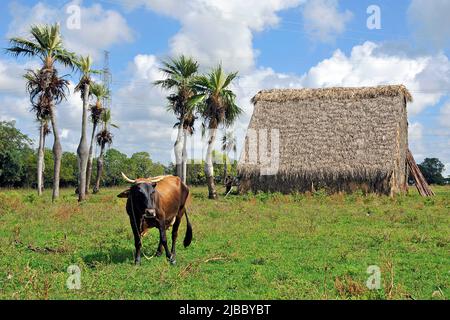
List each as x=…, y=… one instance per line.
x=142, y=193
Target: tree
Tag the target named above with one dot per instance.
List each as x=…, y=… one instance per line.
x=84, y=65
x=100, y=92
x=432, y=169
x=228, y=144
x=69, y=169
x=34, y=89
x=142, y=164
x=158, y=169
x=196, y=172
x=179, y=76
x=188, y=130
x=43, y=97
x=104, y=137
x=15, y=148
x=217, y=106
x=115, y=163
x=40, y=107
x=46, y=43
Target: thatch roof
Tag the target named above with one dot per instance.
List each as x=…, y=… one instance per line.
x=333, y=135
x=337, y=93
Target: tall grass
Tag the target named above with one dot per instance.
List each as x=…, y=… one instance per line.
x=263, y=246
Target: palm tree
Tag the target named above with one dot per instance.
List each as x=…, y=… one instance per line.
x=179, y=75
x=46, y=43
x=42, y=115
x=217, y=106
x=228, y=144
x=41, y=105
x=189, y=129
x=104, y=137
x=100, y=92
x=84, y=65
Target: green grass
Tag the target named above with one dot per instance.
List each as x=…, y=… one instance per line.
x=264, y=246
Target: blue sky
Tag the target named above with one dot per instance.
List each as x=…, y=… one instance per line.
x=273, y=43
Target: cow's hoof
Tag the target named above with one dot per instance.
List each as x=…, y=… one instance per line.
x=172, y=261
x=158, y=254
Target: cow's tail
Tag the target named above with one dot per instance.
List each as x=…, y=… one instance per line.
x=188, y=237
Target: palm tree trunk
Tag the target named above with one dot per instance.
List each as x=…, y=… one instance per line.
x=209, y=168
x=225, y=169
x=90, y=160
x=57, y=155
x=83, y=151
x=43, y=164
x=100, y=163
x=178, y=150
x=40, y=159
x=185, y=157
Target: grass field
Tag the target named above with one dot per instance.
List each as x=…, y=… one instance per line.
x=265, y=246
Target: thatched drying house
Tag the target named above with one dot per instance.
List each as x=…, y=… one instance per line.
x=338, y=139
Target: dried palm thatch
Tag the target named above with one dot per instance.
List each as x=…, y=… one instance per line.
x=337, y=93
x=421, y=184
x=340, y=139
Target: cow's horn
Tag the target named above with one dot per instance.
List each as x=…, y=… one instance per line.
x=127, y=179
x=156, y=179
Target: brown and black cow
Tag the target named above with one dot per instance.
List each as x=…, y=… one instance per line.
x=158, y=202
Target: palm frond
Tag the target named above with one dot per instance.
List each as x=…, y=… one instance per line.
x=99, y=90
x=20, y=46
x=68, y=59
x=46, y=89
x=104, y=137
x=216, y=103
x=45, y=42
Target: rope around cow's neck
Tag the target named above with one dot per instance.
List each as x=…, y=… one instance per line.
x=138, y=230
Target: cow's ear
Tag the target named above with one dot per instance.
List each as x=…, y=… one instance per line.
x=124, y=194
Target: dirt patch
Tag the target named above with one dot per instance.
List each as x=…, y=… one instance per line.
x=66, y=211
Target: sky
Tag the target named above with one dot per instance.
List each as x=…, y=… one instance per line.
x=271, y=43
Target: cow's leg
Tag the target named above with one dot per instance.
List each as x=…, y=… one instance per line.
x=163, y=240
x=175, y=235
x=159, y=249
x=137, y=242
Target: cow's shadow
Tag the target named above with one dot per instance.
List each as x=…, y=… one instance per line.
x=113, y=256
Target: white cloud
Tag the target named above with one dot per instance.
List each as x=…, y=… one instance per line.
x=415, y=139
x=100, y=28
x=139, y=110
x=446, y=173
x=427, y=77
x=431, y=22
x=15, y=108
x=323, y=21
x=216, y=31
x=415, y=131
x=444, y=118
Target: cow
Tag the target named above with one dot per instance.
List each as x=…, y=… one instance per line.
x=158, y=202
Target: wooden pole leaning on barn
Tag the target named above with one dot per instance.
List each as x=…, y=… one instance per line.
x=421, y=184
